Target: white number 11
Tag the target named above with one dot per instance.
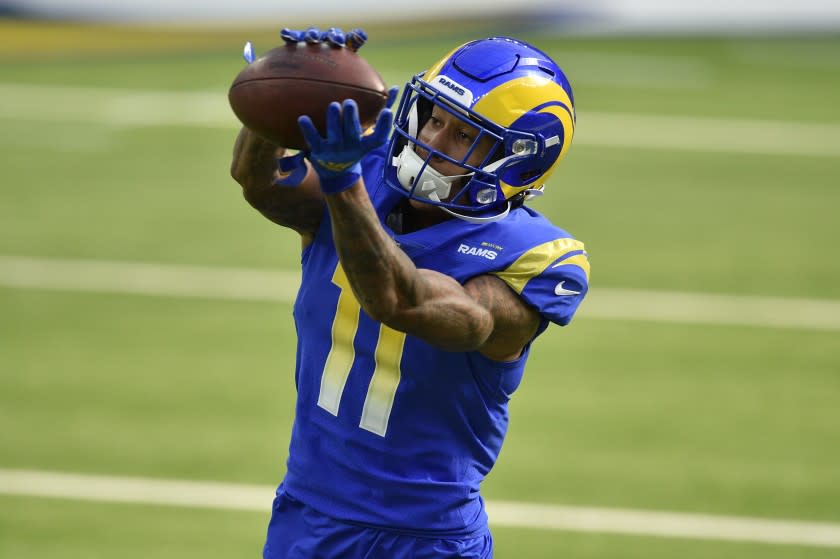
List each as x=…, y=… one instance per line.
x=386, y=374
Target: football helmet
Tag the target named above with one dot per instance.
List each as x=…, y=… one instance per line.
x=513, y=94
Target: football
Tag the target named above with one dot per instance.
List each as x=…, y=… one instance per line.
x=271, y=93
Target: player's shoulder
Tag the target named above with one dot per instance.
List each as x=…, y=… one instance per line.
x=527, y=232
x=544, y=264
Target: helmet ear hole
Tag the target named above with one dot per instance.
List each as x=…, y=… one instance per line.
x=424, y=111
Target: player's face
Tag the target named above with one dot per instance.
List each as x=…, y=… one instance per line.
x=449, y=134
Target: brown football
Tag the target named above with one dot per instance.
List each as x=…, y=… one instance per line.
x=271, y=93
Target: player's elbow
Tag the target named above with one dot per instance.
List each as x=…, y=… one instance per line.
x=236, y=172
x=449, y=329
x=238, y=167
x=461, y=345
x=385, y=308
x=472, y=336
x=242, y=172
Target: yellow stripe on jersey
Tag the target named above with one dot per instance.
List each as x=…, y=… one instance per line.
x=384, y=382
x=579, y=260
x=533, y=262
x=342, y=353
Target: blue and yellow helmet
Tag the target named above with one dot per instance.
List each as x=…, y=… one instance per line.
x=512, y=93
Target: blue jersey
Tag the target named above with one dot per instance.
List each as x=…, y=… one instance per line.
x=389, y=430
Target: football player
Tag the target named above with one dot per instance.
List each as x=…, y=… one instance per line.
x=426, y=279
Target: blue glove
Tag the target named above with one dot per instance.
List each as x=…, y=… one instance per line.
x=294, y=169
x=355, y=39
x=334, y=36
x=336, y=157
x=294, y=166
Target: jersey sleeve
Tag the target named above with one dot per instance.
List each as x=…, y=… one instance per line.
x=552, y=277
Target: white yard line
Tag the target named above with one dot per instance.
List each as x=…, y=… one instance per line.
x=281, y=286
x=115, y=107
x=137, y=278
x=722, y=135
x=203, y=109
x=257, y=498
x=709, y=308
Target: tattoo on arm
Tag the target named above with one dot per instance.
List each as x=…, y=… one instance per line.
x=514, y=321
x=390, y=288
x=254, y=167
x=484, y=314
x=374, y=264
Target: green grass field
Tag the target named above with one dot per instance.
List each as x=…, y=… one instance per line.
x=713, y=419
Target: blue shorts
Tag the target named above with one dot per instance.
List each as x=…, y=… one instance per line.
x=297, y=531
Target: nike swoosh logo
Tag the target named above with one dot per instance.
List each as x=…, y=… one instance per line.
x=559, y=290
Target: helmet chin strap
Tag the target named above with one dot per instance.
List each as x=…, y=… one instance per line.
x=479, y=220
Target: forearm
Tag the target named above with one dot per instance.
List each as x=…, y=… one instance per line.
x=254, y=160
x=381, y=274
x=254, y=167
x=391, y=289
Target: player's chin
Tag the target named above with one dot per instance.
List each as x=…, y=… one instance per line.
x=422, y=206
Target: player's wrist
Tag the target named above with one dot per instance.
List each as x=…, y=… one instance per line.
x=291, y=170
x=335, y=182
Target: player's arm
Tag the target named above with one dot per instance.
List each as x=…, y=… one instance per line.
x=482, y=315
x=254, y=167
x=292, y=199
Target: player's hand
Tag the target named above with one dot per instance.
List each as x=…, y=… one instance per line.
x=333, y=36
x=336, y=157
x=392, y=96
x=292, y=170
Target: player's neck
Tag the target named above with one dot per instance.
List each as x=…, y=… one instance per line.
x=406, y=218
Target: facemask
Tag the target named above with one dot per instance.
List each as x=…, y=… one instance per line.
x=431, y=184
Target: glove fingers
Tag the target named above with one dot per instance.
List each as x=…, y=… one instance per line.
x=248, y=52
x=380, y=133
x=312, y=35
x=334, y=130
x=384, y=124
x=392, y=96
x=291, y=36
x=335, y=37
x=352, y=126
x=310, y=133
x=355, y=39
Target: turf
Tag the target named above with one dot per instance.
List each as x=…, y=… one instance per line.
x=710, y=419
x=36, y=528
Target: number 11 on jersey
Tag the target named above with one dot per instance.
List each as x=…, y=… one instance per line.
x=387, y=356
